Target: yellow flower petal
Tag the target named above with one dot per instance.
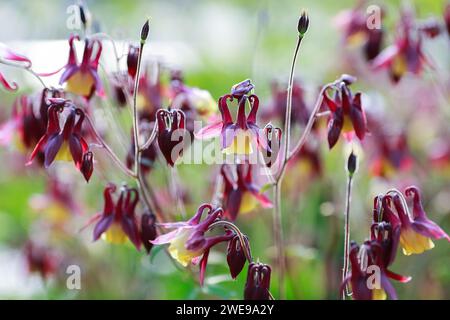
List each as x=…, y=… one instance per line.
x=241, y=145
x=115, y=234
x=81, y=83
x=414, y=243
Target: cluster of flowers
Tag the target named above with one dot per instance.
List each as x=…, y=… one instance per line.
x=393, y=225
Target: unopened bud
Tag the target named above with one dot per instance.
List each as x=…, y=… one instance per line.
x=144, y=31
x=87, y=165
x=352, y=163
x=303, y=23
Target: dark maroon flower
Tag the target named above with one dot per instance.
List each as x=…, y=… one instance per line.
x=87, y=165
x=431, y=27
x=406, y=54
x=347, y=115
x=236, y=256
x=240, y=194
x=148, y=230
x=257, y=286
x=118, y=222
x=188, y=242
x=40, y=259
x=171, y=131
x=236, y=137
x=66, y=143
x=132, y=60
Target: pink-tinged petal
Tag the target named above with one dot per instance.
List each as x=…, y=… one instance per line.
x=91, y=220
x=51, y=73
x=385, y=58
x=330, y=103
x=262, y=198
x=8, y=86
x=166, y=238
x=98, y=84
x=397, y=277
x=358, y=117
x=259, y=137
x=203, y=264
x=173, y=225
x=7, y=132
x=8, y=54
x=103, y=225
x=210, y=131
x=52, y=147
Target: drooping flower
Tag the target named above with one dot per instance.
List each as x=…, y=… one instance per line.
x=273, y=138
x=148, y=230
x=367, y=278
x=62, y=144
x=240, y=194
x=236, y=256
x=171, y=131
x=257, y=286
x=188, y=242
x=238, y=137
x=132, y=60
x=356, y=32
x=406, y=54
x=347, y=115
x=117, y=222
x=87, y=165
x=82, y=78
x=417, y=231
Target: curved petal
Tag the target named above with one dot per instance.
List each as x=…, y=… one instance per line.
x=8, y=86
x=210, y=131
x=51, y=149
x=103, y=225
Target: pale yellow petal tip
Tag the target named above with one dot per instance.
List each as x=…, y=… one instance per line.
x=81, y=83
x=379, y=294
x=241, y=145
x=114, y=235
x=414, y=243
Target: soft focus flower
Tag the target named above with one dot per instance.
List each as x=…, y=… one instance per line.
x=406, y=54
x=40, y=259
x=148, y=156
x=171, y=131
x=188, y=242
x=273, y=138
x=82, y=78
x=118, y=222
x=257, y=286
x=240, y=194
x=353, y=24
x=417, y=231
x=132, y=60
x=8, y=56
x=347, y=114
x=236, y=137
x=64, y=144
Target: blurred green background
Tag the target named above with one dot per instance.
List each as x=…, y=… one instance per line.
x=221, y=43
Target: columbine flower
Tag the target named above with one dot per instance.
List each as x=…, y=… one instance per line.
x=241, y=195
x=9, y=56
x=370, y=254
x=353, y=24
x=82, y=79
x=171, y=131
x=240, y=136
x=118, y=222
x=417, y=231
x=64, y=144
x=188, y=242
x=257, y=286
x=405, y=55
x=273, y=138
x=347, y=114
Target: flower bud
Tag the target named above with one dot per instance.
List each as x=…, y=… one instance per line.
x=144, y=31
x=352, y=163
x=242, y=88
x=273, y=138
x=258, y=282
x=236, y=256
x=87, y=165
x=171, y=130
x=303, y=23
x=132, y=60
